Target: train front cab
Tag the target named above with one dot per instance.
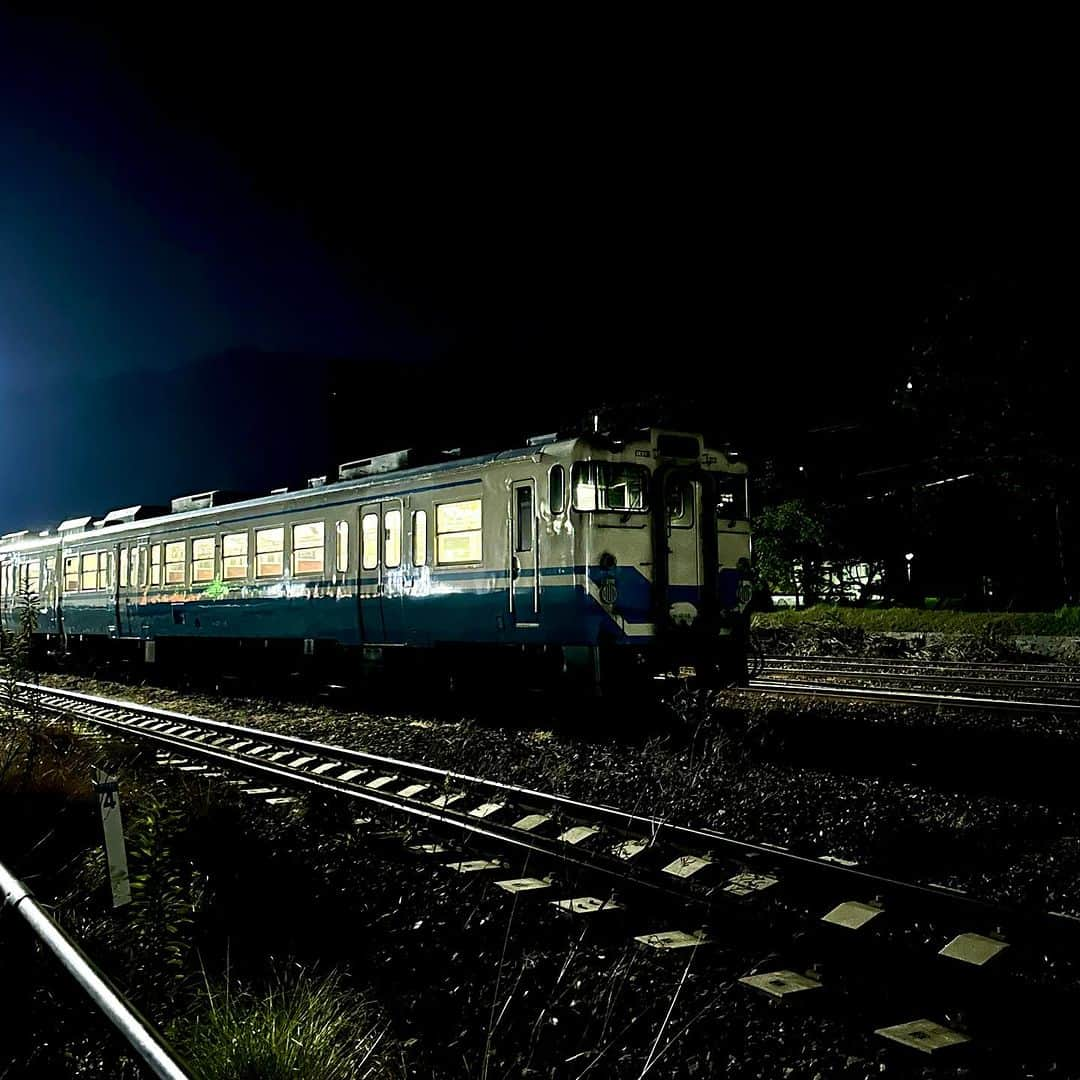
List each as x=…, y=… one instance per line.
x=669, y=558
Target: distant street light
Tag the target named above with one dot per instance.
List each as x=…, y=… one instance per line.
x=909, y=556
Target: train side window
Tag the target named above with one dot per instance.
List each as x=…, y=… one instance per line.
x=392, y=550
x=369, y=528
x=133, y=568
x=419, y=537
x=458, y=536
x=104, y=573
x=71, y=574
x=342, y=561
x=89, y=571
x=308, y=548
x=33, y=578
x=123, y=567
x=175, y=562
x=202, y=559
x=155, y=564
x=557, y=489
x=524, y=519
x=270, y=552
x=731, y=499
x=234, y=556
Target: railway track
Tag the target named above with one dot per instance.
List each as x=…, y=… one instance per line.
x=905, y=955
x=933, y=683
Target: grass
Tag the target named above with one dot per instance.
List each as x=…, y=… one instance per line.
x=1065, y=622
x=305, y=1026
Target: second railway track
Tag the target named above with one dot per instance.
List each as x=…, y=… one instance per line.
x=1035, y=688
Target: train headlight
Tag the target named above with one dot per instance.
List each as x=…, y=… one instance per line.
x=608, y=593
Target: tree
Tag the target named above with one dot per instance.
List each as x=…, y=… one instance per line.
x=790, y=548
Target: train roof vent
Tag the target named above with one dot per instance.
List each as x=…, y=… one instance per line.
x=74, y=525
x=13, y=537
x=204, y=500
x=99, y=523
x=132, y=513
x=381, y=463
x=278, y=491
x=316, y=481
x=540, y=440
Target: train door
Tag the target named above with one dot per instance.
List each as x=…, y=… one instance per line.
x=135, y=618
x=370, y=590
x=524, y=562
x=682, y=500
x=382, y=575
x=118, y=561
x=394, y=571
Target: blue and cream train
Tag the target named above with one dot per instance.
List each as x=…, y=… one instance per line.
x=590, y=557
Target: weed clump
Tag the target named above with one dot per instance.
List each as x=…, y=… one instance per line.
x=304, y=1025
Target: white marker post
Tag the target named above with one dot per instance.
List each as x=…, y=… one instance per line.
x=106, y=786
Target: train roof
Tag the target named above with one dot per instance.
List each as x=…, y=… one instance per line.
x=195, y=507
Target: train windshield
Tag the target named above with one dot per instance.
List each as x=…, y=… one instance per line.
x=610, y=485
x=730, y=498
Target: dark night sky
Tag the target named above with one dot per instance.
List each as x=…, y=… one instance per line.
x=478, y=237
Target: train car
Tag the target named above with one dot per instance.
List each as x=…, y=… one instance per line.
x=588, y=558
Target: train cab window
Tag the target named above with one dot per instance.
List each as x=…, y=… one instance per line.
x=89, y=571
x=392, y=550
x=369, y=527
x=419, y=537
x=680, y=503
x=557, y=489
x=308, y=548
x=71, y=574
x=234, y=556
x=458, y=536
x=155, y=564
x=342, y=560
x=202, y=559
x=524, y=541
x=610, y=485
x=270, y=552
x=175, y=562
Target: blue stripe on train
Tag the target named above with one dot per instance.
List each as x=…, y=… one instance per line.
x=568, y=616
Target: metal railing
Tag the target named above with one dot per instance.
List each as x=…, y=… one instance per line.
x=127, y=1020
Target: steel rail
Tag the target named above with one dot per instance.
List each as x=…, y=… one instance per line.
x=1054, y=668
x=914, y=676
x=908, y=697
x=149, y=1045
x=680, y=838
